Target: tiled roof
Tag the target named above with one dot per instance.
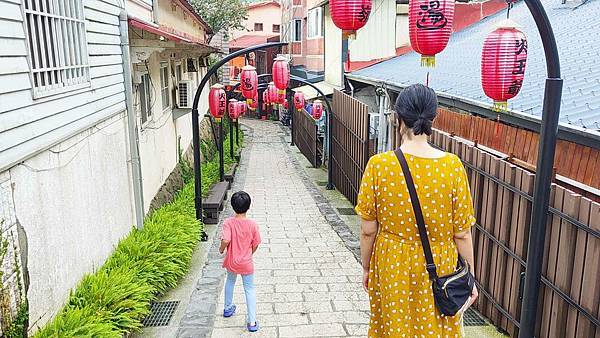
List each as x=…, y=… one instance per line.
x=577, y=31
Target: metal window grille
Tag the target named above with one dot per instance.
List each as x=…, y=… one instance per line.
x=57, y=45
x=164, y=85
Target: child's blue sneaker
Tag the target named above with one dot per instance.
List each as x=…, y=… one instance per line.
x=253, y=328
x=229, y=312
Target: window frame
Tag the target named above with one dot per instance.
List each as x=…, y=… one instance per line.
x=63, y=65
x=261, y=27
x=145, y=86
x=295, y=30
x=278, y=28
x=164, y=85
x=317, y=22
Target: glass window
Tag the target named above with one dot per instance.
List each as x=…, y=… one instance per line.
x=297, y=34
x=258, y=27
x=164, y=85
x=315, y=23
x=276, y=28
x=145, y=98
x=56, y=39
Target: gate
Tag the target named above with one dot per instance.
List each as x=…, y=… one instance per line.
x=306, y=137
x=350, y=143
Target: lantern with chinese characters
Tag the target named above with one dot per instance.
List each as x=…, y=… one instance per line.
x=281, y=96
x=350, y=15
x=249, y=83
x=272, y=93
x=430, y=27
x=242, y=108
x=232, y=108
x=317, y=109
x=281, y=73
x=299, y=100
x=217, y=101
x=503, y=63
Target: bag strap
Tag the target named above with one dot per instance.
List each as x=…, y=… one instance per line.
x=431, y=269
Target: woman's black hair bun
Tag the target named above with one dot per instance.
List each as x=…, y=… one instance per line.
x=422, y=126
x=417, y=106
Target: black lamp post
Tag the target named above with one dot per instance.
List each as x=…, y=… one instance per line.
x=543, y=177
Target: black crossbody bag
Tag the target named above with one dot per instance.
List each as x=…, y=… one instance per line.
x=450, y=292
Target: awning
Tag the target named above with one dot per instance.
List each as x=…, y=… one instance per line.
x=154, y=29
x=310, y=93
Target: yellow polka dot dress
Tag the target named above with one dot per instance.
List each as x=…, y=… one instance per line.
x=400, y=293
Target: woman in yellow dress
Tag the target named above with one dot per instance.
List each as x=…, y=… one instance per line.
x=395, y=277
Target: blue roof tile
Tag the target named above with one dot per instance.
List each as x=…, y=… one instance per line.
x=577, y=31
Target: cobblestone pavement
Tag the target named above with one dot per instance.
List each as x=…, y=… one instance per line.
x=307, y=280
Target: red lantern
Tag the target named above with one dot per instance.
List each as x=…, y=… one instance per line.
x=429, y=27
x=217, y=101
x=232, y=108
x=242, y=109
x=503, y=63
x=266, y=96
x=281, y=96
x=272, y=93
x=281, y=73
x=350, y=15
x=286, y=105
x=317, y=109
x=252, y=106
x=299, y=100
x=249, y=83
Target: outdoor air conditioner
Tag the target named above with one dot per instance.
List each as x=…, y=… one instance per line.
x=185, y=94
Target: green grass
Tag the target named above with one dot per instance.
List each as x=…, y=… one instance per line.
x=113, y=300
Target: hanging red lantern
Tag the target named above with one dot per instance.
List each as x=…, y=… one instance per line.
x=249, y=83
x=265, y=95
x=281, y=73
x=430, y=27
x=242, y=109
x=299, y=100
x=281, y=97
x=317, y=109
x=503, y=63
x=254, y=104
x=286, y=105
x=272, y=93
x=232, y=108
x=350, y=15
x=217, y=101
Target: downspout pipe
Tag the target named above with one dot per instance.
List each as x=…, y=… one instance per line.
x=155, y=11
x=132, y=130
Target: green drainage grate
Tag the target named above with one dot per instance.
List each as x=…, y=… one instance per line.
x=346, y=211
x=160, y=313
x=473, y=318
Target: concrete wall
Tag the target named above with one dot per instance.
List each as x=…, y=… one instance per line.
x=173, y=15
x=74, y=204
x=333, y=51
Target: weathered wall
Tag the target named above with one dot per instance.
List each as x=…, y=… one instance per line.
x=268, y=15
x=74, y=204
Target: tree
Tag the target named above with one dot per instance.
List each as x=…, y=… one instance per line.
x=221, y=15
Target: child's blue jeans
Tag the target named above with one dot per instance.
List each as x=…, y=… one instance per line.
x=248, y=290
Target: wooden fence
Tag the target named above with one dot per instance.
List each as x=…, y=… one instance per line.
x=572, y=160
x=570, y=296
x=306, y=137
x=350, y=143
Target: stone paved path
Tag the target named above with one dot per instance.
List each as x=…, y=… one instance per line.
x=308, y=281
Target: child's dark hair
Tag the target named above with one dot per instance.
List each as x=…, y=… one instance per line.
x=417, y=106
x=240, y=201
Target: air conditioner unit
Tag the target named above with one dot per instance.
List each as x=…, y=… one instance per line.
x=185, y=94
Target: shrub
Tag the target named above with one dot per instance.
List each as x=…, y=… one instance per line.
x=113, y=300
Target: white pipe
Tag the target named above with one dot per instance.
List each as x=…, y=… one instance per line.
x=382, y=128
x=136, y=168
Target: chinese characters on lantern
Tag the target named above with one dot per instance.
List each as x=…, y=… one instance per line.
x=431, y=16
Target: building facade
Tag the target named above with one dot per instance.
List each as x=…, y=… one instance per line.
x=77, y=167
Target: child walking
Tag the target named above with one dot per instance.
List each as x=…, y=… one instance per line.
x=241, y=239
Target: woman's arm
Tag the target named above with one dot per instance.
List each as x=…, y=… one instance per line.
x=368, y=232
x=464, y=244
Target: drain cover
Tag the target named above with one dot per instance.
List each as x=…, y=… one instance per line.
x=346, y=211
x=473, y=318
x=321, y=183
x=160, y=313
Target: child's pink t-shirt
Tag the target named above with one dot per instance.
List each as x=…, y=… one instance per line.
x=243, y=235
